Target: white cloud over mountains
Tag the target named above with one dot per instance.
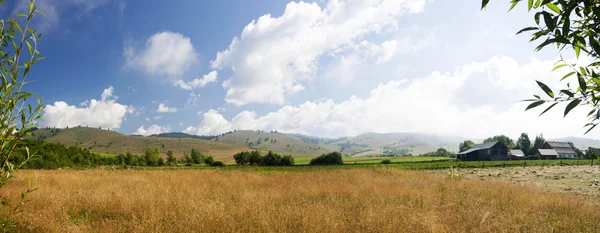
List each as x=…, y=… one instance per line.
x=476, y=100
x=106, y=113
x=165, y=53
x=153, y=129
x=273, y=56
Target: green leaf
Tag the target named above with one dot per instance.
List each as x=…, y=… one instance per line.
x=551, y=106
x=527, y=29
x=535, y=104
x=549, y=21
x=484, y=3
x=568, y=92
x=529, y=5
x=566, y=25
x=546, y=89
x=571, y=105
x=582, y=82
x=514, y=3
x=553, y=7
x=577, y=50
x=567, y=75
x=559, y=66
x=590, y=129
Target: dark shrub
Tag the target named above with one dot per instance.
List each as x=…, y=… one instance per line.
x=271, y=159
x=287, y=160
x=209, y=160
x=242, y=158
x=255, y=158
x=217, y=164
x=386, y=161
x=333, y=158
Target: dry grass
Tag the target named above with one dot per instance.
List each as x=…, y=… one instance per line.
x=371, y=200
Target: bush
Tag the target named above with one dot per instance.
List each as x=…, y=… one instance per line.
x=209, y=160
x=197, y=156
x=217, y=164
x=271, y=159
x=386, y=161
x=242, y=158
x=333, y=158
x=287, y=160
x=255, y=158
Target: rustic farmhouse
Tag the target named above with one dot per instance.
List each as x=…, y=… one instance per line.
x=516, y=154
x=485, y=151
x=547, y=154
x=563, y=149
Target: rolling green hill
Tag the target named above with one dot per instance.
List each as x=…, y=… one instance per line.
x=277, y=142
x=104, y=141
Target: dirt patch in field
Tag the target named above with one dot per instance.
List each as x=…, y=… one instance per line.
x=571, y=179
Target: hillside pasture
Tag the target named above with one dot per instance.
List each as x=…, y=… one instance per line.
x=282, y=143
x=364, y=200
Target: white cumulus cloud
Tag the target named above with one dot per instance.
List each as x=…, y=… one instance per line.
x=477, y=100
x=164, y=108
x=165, y=53
x=274, y=55
x=199, y=82
x=106, y=113
x=153, y=129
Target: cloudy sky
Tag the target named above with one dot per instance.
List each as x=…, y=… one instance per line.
x=325, y=68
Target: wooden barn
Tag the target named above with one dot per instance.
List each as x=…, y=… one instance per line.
x=485, y=151
x=515, y=154
x=547, y=154
x=563, y=149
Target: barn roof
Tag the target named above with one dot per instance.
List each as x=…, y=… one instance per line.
x=561, y=147
x=518, y=153
x=548, y=152
x=481, y=146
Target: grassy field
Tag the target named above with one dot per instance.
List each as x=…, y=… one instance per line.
x=365, y=200
x=363, y=160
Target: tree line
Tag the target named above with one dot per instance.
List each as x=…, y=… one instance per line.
x=53, y=156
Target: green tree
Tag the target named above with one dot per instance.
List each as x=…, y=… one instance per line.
x=571, y=24
x=539, y=142
x=18, y=53
x=152, y=157
x=242, y=158
x=333, y=158
x=287, y=160
x=209, y=160
x=255, y=157
x=197, y=156
x=524, y=143
x=502, y=138
x=186, y=159
x=171, y=160
x=467, y=144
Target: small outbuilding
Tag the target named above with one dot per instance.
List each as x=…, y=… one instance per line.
x=563, y=149
x=547, y=154
x=485, y=151
x=515, y=154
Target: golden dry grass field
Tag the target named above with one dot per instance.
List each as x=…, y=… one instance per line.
x=341, y=200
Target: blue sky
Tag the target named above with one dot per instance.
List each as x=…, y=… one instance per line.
x=327, y=68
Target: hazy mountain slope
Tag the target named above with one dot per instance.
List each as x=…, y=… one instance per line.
x=396, y=143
